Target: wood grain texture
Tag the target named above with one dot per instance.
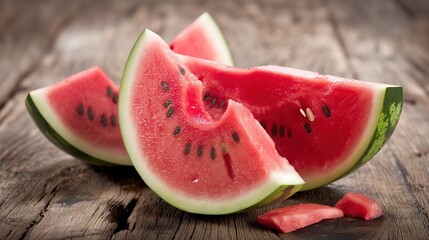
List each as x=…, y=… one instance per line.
x=46, y=194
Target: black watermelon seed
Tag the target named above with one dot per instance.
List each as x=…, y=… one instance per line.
x=90, y=114
x=281, y=131
x=187, y=148
x=109, y=91
x=113, y=120
x=103, y=120
x=115, y=98
x=263, y=124
x=212, y=153
x=177, y=130
x=326, y=111
x=307, y=127
x=168, y=103
x=206, y=98
x=165, y=86
x=170, y=112
x=200, y=150
x=274, y=130
x=182, y=70
x=213, y=102
x=80, y=109
x=235, y=137
x=222, y=104
x=289, y=133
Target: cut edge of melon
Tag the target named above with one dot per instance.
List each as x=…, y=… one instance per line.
x=52, y=127
x=385, y=96
x=211, y=29
x=272, y=189
x=218, y=37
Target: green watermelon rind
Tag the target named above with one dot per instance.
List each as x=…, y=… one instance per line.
x=35, y=108
x=386, y=125
x=387, y=110
x=271, y=190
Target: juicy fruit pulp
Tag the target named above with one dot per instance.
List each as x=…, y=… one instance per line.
x=360, y=206
x=298, y=216
x=79, y=114
x=325, y=126
x=192, y=161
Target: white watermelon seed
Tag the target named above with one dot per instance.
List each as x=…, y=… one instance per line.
x=302, y=112
x=310, y=114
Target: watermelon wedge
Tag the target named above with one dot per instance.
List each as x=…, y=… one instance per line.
x=193, y=162
x=203, y=39
x=79, y=113
x=325, y=126
x=291, y=218
x=360, y=206
x=80, y=116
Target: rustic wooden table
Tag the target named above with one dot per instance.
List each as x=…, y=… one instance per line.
x=47, y=194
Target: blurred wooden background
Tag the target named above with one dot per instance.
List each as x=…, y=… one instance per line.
x=46, y=194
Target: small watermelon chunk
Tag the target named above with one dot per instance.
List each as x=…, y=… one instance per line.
x=203, y=39
x=297, y=216
x=193, y=162
x=62, y=111
x=360, y=206
x=326, y=126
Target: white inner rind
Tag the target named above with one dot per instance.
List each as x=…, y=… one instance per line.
x=140, y=160
x=48, y=113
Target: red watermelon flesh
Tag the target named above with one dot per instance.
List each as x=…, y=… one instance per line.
x=194, y=162
x=79, y=114
x=298, y=216
x=325, y=126
x=358, y=205
x=203, y=39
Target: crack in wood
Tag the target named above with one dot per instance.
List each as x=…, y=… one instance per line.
x=178, y=226
x=120, y=214
x=41, y=215
x=420, y=210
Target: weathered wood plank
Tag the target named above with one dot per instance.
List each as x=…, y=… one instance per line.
x=44, y=192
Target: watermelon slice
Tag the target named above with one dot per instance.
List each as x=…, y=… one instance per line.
x=358, y=205
x=298, y=216
x=79, y=114
x=325, y=126
x=203, y=39
x=193, y=162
